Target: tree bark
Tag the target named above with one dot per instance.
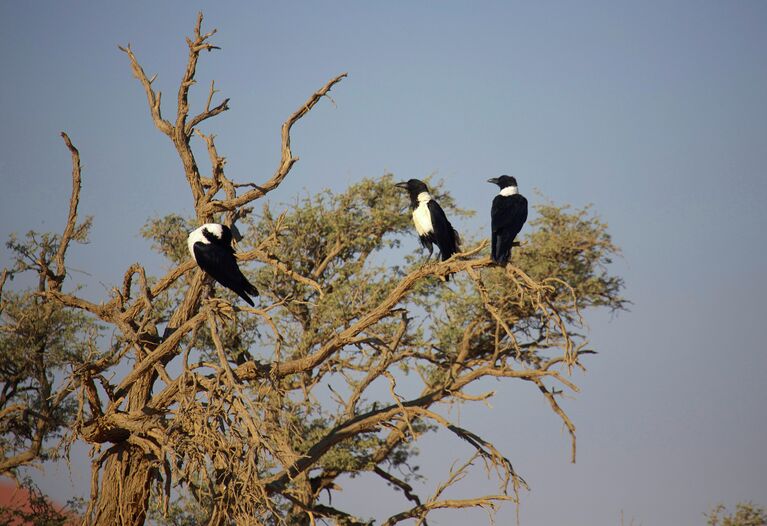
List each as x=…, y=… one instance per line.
x=126, y=479
x=125, y=488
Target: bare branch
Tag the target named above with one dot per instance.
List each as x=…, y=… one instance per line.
x=269, y=259
x=406, y=488
x=71, y=223
x=195, y=46
x=488, y=501
x=154, y=99
x=286, y=161
x=167, y=347
x=558, y=410
x=207, y=114
x=73, y=301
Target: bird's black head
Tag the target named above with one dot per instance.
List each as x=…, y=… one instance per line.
x=503, y=181
x=413, y=186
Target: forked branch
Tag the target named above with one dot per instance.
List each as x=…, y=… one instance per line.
x=287, y=160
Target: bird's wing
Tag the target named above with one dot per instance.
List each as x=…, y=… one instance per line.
x=445, y=235
x=508, y=214
x=220, y=263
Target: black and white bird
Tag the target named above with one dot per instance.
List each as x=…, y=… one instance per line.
x=430, y=220
x=211, y=248
x=508, y=214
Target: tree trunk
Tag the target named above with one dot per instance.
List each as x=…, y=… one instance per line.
x=128, y=472
x=125, y=487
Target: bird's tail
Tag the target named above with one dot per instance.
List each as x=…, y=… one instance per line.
x=248, y=288
x=251, y=289
x=452, y=250
x=445, y=256
x=246, y=298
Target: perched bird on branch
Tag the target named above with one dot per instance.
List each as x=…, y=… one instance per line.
x=508, y=214
x=211, y=248
x=430, y=221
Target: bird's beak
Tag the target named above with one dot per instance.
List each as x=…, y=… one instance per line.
x=402, y=185
x=236, y=236
x=493, y=180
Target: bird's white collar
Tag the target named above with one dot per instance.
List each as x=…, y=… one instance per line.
x=424, y=197
x=509, y=190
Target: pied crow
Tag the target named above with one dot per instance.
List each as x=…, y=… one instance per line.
x=211, y=248
x=430, y=220
x=508, y=214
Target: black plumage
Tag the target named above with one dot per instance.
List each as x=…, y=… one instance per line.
x=430, y=220
x=508, y=214
x=211, y=248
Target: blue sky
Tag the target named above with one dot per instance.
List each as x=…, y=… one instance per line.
x=655, y=112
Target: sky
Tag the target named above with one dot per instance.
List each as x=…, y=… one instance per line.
x=653, y=112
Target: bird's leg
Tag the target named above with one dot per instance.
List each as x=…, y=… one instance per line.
x=428, y=256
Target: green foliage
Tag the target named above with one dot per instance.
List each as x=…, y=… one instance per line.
x=37, y=250
x=168, y=235
x=575, y=247
x=569, y=252
x=330, y=239
x=343, y=242
x=746, y=514
x=38, y=340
